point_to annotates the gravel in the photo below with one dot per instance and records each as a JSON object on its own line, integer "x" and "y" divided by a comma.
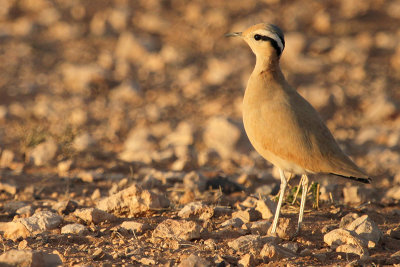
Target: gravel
{"x": 124, "y": 117}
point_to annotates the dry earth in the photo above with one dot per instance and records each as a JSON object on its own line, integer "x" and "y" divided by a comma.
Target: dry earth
{"x": 114, "y": 115}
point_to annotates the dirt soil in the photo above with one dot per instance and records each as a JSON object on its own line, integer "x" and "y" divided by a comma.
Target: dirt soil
{"x": 96, "y": 96}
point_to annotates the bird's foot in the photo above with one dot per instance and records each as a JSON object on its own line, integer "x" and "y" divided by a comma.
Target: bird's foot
{"x": 298, "y": 232}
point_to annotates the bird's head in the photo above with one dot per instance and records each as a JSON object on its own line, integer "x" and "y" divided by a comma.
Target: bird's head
{"x": 264, "y": 39}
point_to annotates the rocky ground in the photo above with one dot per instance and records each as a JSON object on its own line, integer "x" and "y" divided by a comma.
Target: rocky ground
{"x": 121, "y": 138}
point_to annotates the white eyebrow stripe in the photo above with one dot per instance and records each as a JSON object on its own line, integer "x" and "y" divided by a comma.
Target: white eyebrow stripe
{"x": 271, "y": 35}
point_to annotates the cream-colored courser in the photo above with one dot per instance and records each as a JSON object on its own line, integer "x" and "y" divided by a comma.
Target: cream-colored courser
{"x": 282, "y": 126}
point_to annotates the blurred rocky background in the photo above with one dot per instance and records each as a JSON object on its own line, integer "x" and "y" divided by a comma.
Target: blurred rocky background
{"x": 99, "y": 97}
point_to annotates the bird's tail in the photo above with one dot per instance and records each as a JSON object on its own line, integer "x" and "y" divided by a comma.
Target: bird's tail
{"x": 346, "y": 168}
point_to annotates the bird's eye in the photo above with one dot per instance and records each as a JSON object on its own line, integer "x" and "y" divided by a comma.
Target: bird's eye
{"x": 257, "y": 37}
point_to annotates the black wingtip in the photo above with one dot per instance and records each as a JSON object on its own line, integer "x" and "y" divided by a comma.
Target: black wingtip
{"x": 367, "y": 180}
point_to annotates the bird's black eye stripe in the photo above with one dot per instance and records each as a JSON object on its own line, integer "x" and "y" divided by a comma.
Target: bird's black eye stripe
{"x": 257, "y": 37}
{"x": 274, "y": 43}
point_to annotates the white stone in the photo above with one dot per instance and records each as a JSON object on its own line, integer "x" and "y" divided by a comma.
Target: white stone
{"x": 181, "y": 136}
{"x": 246, "y": 243}
{"x": 41, "y": 221}
{"x": 275, "y": 252}
{"x": 347, "y": 219}
{"x": 43, "y": 153}
{"x": 260, "y": 227}
{"x": 135, "y": 227}
{"x": 74, "y": 228}
{"x": 78, "y": 77}
{"x": 138, "y": 146}
{"x": 354, "y": 249}
{"x": 129, "y": 48}
{"x": 14, "y": 230}
{"x": 194, "y": 181}
{"x": 7, "y": 157}
{"x": 234, "y": 222}
{"x": 367, "y": 229}
{"x": 82, "y": 142}
{"x": 3, "y": 112}
{"x": 65, "y": 206}
{"x": 8, "y": 187}
{"x": 25, "y": 210}
{"x": 180, "y": 229}
{"x": 93, "y": 215}
{"x": 339, "y": 237}
{"x": 222, "y": 135}
{"x": 13, "y": 206}
{"x": 194, "y": 261}
{"x": 246, "y": 261}
{"x": 355, "y": 194}
{"x": 285, "y": 229}
{"x": 217, "y": 71}
{"x": 247, "y": 215}
{"x": 196, "y": 210}
{"x": 393, "y": 192}
{"x": 266, "y": 207}
{"x": 292, "y": 246}
{"x": 381, "y": 108}
{"x": 29, "y": 258}
{"x": 90, "y": 176}
{"x": 126, "y": 92}
{"x": 64, "y": 166}
{"x": 132, "y": 201}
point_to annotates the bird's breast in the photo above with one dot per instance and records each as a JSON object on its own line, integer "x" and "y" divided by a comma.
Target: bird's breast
{"x": 263, "y": 125}
{"x": 268, "y": 123}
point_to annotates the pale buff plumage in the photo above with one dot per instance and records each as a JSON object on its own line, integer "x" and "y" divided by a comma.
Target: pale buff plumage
{"x": 281, "y": 125}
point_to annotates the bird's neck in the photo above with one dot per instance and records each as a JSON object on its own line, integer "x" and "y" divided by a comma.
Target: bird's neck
{"x": 269, "y": 66}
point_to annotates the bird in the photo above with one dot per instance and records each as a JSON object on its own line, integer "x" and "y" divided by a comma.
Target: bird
{"x": 282, "y": 126}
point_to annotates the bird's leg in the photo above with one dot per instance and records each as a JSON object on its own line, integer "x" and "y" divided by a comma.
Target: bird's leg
{"x": 281, "y": 195}
{"x": 303, "y": 201}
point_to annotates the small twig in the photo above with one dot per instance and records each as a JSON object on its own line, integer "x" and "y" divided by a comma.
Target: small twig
{"x": 364, "y": 204}
{"x": 176, "y": 190}
{"x": 297, "y": 191}
{"x": 317, "y": 197}
{"x": 134, "y": 234}
{"x": 130, "y": 178}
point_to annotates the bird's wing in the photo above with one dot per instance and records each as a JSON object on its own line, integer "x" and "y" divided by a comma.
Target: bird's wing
{"x": 323, "y": 145}
{"x": 296, "y": 133}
